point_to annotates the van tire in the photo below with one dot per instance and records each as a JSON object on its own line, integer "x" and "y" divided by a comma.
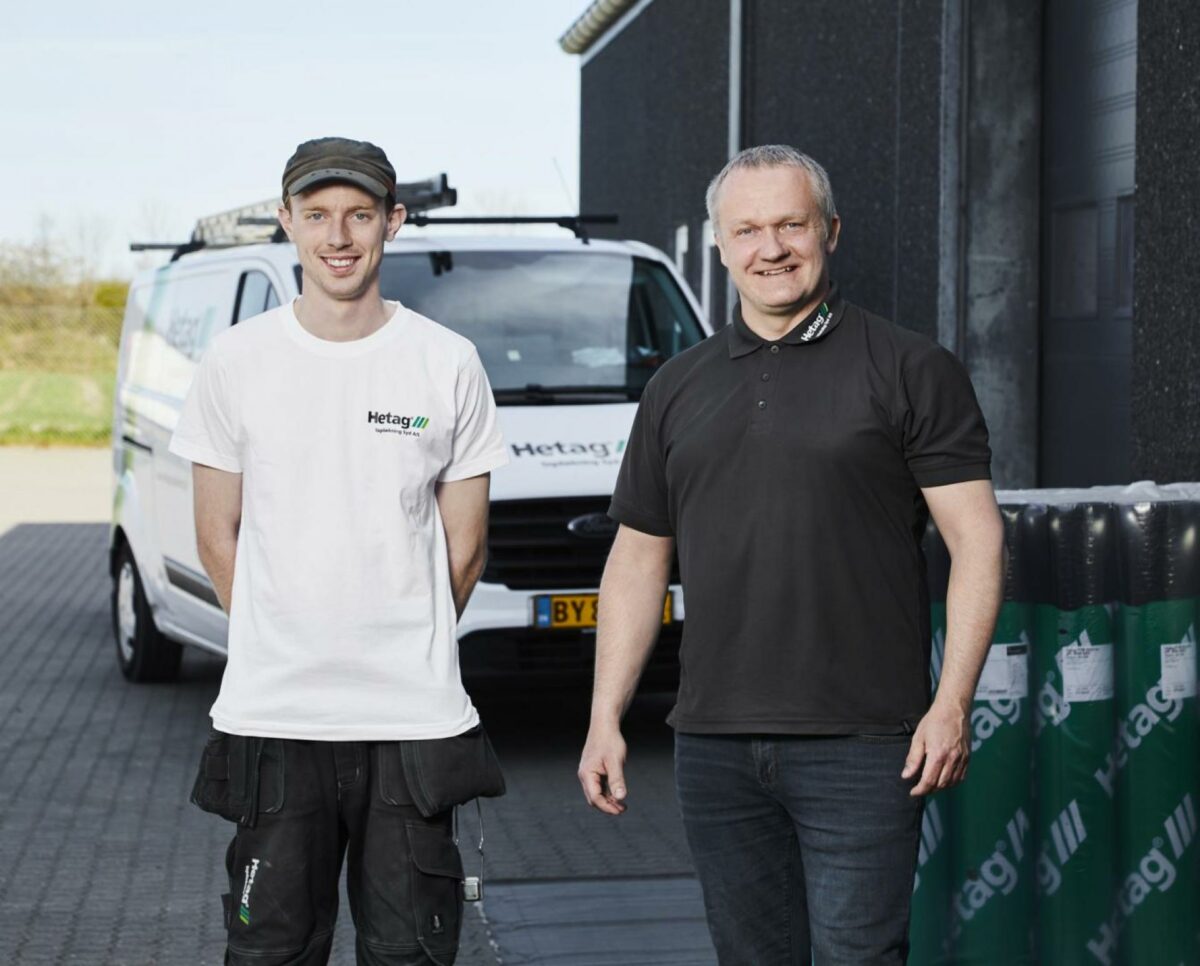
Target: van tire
{"x": 143, "y": 652}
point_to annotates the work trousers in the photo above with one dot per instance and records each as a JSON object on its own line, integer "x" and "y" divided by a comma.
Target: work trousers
{"x": 317, "y": 803}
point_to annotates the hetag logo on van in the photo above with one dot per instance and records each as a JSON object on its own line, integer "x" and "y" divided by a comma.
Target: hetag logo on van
{"x": 562, "y": 453}
{"x": 188, "y": 331}
{"x": 1142, "y": 719}
{"x": 1067, "y": 834}
{"x": 593, "y": 526}
{"x": 401, "y": 425}
{"x": 1154, "y": 871}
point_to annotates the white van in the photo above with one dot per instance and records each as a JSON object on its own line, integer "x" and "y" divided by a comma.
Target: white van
{"x": 569, "y": 332}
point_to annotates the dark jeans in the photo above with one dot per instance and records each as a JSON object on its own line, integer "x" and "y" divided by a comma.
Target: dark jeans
{"x": 318, "y": 802}
{"x": 805, "y": 846}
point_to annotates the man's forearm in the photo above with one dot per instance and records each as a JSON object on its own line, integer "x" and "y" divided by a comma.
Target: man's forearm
{"x": 631, "y": 605}
{"x": 217, "y": 556}
{"x": 973, "y": 597}
{"x": 464, "y": 575}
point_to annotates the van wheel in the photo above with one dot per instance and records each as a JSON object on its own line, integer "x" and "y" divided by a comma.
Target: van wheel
{"x": 142, "y": 651}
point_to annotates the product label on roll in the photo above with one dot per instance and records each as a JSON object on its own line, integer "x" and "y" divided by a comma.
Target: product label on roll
{"x": 1005, "y": 673}
{"x": 1179, "y": 670}
{"x": 1087, "y": 671}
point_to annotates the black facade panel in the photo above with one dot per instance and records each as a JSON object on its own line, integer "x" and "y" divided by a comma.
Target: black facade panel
{"x": 1001, "y": 161}
{"x": 1088, "y": 172}
{"x": 858, "y": 86}
{"x": 654, "y": 124}
{"x": 918, "y": 178}
{"x": 1166, "y": 338}
{"x": 815, "y": 82}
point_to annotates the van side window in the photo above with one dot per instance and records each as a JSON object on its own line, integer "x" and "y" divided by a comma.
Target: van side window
{"x": 256, "y": 294}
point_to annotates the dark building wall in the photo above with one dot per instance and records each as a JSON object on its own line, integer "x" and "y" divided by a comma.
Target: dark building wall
{"x": 926, "y": 114}
{"x": 654, "y": 123}
{"x": 1001, "y": 221}
{"x": 1166, "y": 336}
{"x": 858, "y": 87}
{"x": 1090, "y": 84}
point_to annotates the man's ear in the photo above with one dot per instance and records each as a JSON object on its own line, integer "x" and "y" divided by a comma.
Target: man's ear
{"x": 395, "y": 219}
{"x": 835, "y": 231}
{"x": 716, "y": 238}
{"x": 284, "y": 214}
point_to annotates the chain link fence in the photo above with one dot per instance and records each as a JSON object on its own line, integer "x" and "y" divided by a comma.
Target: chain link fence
{"x": 58, "y": 366}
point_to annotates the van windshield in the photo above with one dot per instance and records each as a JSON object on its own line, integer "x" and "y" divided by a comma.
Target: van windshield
{"x": 551, "y": 326}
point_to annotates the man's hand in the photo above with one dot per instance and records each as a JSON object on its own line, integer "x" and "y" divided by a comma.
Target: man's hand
{"x": 943, "y": 742}
{"x": 631, "y": 605}
{"x": 602, "y": 770}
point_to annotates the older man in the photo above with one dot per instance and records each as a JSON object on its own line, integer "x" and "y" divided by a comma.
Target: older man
{"x": 792, "y": 460}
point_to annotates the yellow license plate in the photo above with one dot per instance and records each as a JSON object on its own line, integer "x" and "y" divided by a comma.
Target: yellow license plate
{"x": 553, "y": 611}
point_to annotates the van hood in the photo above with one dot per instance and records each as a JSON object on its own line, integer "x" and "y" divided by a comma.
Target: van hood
{"x": 561, "y": 450}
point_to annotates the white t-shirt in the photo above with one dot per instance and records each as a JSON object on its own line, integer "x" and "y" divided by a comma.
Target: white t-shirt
{"x": 342, "y": 623}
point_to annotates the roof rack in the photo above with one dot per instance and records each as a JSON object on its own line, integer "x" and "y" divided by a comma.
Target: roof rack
{"x": 248, "y": 224}
{"x": 573, "y": 223}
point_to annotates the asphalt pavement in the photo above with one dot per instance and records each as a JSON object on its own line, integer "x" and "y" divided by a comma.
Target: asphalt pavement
{"x": 103, "y": 861}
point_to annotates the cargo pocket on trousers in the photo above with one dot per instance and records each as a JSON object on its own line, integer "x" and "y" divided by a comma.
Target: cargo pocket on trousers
{"x": 239, "y": 777}
{"x": 437, "y": 874}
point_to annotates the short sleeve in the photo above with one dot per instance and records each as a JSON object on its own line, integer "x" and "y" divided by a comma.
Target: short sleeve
{"x": 944, "y": 435}
{"x": 640, "y": 498}
{"x": 478, "y": 446}
{"x": 207, "y": 431}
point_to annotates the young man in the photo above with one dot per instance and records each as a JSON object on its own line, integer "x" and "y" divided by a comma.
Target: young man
{"x": 342, "y": 447}
{"x": 794, "y": 458}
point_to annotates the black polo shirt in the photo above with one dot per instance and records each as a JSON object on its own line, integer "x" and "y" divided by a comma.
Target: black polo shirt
{"x": 789, "y": 473}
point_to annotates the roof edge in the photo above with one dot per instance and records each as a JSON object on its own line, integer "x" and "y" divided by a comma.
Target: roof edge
{"x": 592, "y": 24}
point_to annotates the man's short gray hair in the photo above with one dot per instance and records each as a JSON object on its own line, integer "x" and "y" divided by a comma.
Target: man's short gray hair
{"x": 777, "y": 156}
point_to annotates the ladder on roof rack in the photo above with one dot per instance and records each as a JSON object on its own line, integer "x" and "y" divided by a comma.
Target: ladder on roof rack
{"x": 245, "y": 225}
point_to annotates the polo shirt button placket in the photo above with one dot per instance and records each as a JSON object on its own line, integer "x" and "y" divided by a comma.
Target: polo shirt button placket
{"x": 770, "y": 365}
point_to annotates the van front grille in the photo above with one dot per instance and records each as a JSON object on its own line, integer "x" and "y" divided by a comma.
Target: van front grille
{"x": 531, "y": 548}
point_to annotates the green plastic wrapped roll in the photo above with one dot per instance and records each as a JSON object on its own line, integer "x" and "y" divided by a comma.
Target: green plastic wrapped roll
{"x": 991, "y": 851}
{"x": 991, "y": 845}
{"x": 1153, "y": 770}
{"x": 1073, "y": 726}
{"x": 929, "y": 933}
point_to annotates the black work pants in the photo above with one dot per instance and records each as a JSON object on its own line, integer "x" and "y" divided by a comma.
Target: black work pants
{"x": 318, "y": 802}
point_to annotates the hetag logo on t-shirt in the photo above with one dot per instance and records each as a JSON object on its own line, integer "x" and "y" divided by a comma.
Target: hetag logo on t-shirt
{"x": 400, "y": 425}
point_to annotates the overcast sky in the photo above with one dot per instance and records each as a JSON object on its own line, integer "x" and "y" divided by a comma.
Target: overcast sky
{"x": 127, "y": 121}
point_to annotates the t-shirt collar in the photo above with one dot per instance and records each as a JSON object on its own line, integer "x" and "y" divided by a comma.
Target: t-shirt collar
{"x": 812, "y": 328}
{"x": 397, "y": 316}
